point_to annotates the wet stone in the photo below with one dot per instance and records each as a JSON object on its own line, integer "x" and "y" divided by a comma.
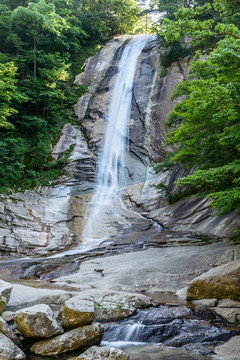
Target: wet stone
{"x": 160, "y": 325}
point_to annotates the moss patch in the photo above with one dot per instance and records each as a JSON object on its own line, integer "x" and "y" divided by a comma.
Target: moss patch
{"x": 219, "y": 287}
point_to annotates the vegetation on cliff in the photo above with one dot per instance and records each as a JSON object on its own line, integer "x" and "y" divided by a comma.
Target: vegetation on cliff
{"x": 206, "y": 121}
{"x": 43, "y": 44}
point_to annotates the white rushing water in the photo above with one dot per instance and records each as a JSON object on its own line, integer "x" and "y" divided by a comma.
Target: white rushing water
{"x": 111, "y": 170}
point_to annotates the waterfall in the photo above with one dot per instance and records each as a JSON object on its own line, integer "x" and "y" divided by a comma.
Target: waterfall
{"x": 112, "y": 172}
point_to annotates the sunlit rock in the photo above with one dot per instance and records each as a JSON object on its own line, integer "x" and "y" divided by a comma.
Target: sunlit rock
{"x": 96, "y": 66}
{"x": 78, "y": 338}
{"x": 103, "y": 353}
{"x": 5, "y": 292}
{"x": 77, "y": 312}
{"x": 37, "y": 321}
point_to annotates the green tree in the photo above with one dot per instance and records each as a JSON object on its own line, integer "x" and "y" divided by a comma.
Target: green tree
{"x": 206, "y": 122}
{"x": 38, "y": 17}
{"x": 8, "y": 93}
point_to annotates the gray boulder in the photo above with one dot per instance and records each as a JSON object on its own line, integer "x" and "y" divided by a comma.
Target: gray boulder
{"x": 232, "y": 315}
{"x": 113, "y": 305}
{"x": 206, "y": 302}
{"x": 8, "y": 350}
{"x": 103, "y": 353}
{"x": 228, "y": 351}
{"x": 6, "y": 330}
{"x": 77, "y": 312}
{"x": 37, "y": 321}
{"x": 220, "y": 283}
{"x": 5, "y": 292}
{"x": 228, "y": 303}
{"x": 78, "y": 338}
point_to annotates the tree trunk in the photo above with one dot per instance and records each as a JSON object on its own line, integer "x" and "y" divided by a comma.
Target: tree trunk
{"x": 34, "y": 57}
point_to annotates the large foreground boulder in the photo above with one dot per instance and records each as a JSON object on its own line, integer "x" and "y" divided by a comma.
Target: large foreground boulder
{"x": 220, "y": 283}
{"x": 8, "y": 350}
{"x": 37, "y": 321}
{"x": 81, "y": 337}
{"x": 5, "y": 292}
{"x": 103, "y": 353}
{"x": 77, "y": 312}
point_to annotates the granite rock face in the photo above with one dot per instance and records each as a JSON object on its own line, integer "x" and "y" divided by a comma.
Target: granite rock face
{"x": 191, "y": 214}
{"x": 35, "y": 221}
{"x": 164, "y": 269}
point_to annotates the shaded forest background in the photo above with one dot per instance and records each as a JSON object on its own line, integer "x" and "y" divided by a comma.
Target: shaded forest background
{"x": 43, "y": 45}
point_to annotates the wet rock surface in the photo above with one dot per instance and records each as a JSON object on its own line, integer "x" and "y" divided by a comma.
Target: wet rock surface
{"x": 178, "y": 327}
{"x": 165, "y": 268}
{"x": 190, "y": 214}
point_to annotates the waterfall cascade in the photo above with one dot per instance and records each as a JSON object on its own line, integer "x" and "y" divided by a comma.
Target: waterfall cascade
{"x": 112, "y": 172}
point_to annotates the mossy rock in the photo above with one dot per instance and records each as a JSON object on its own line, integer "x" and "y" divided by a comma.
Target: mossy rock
{"x": 221, "y": 282}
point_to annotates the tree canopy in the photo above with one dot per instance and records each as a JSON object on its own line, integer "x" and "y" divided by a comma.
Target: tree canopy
{"x": 205, "y": 122}
{"x": 43, "y": 44}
